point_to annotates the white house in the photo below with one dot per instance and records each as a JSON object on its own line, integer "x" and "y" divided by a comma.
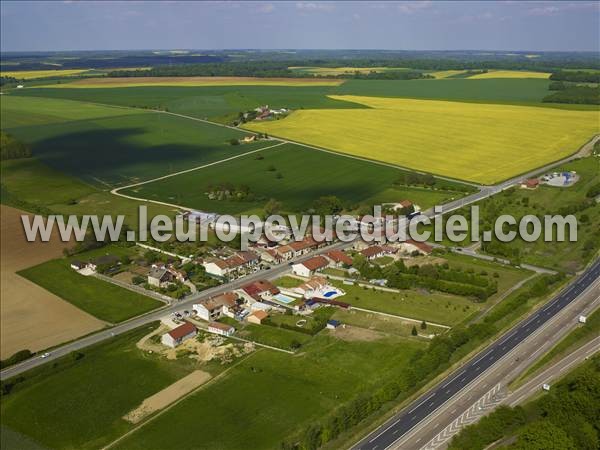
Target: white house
{"x": 220, "y": 328}
{"x": 213, "y": 308}
{"x": 310, "y": 266}
{"x": 177, "y": 335}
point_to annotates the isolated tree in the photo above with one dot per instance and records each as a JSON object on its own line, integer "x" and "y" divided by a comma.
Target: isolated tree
{"x": 414, "y": 331}
{"x": 423, "y": 325}
{"x": 272, "y": 207}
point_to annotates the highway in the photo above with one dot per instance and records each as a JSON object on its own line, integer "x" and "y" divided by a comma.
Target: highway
{"x": 397, "y": 427}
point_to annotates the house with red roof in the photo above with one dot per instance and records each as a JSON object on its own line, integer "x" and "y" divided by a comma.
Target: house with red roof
{"x": 177, "y": 335}
{"x": 338, "y": 258}
{"x": 309, "y": 267}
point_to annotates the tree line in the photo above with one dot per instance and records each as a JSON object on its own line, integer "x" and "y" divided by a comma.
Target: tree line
{"x": 12, "y": 148}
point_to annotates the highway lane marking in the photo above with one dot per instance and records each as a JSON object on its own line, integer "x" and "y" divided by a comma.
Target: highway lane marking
{"x": 516, "y": 333}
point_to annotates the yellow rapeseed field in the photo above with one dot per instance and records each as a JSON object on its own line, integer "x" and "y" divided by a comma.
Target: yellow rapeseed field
{"x": 194, "y": 81}
{"x": 509, "y": 74}
{"x": 31, "y": 74}
{"x": 483, "y": 143}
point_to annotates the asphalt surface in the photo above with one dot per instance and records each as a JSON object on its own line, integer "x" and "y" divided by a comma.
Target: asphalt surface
{"x": 553, "y": 372}
{"x": 394, "y": 429}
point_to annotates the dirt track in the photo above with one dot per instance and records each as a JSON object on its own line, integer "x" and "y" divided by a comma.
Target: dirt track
{"x": 31, "y": 317}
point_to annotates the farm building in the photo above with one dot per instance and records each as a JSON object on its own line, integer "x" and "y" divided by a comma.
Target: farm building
{"x": 215, "y": 307}
{"x": 411, "y": 246}
{"x": 257, "y": 317}
{"x": 177, "y": 335}
{"x": 310, "y": 266}
{"x": 221, "y": 329}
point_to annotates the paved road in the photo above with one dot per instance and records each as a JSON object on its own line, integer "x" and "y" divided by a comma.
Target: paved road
{"x": 445, "y": 422}
{"x": 555, "y": 371}
{"x": 387, "y": 435}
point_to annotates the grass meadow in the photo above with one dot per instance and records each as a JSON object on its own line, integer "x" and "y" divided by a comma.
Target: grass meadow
{"x": 282, "y": 394}
{"x": 294, "y": 175}
{"x": 481, "y": 143}
{"x": 97, "y": 297}
{"x": 437, "y": 307}
{"x": 79, "y": 403}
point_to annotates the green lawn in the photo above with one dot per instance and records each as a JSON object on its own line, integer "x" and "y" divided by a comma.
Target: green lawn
{"x": 273, "y": 396}
{"x": 79, "y": 404}
{"x": 436, "y": 307}
{"x": 99, "y": 298}
{"x": 304, "y": 176}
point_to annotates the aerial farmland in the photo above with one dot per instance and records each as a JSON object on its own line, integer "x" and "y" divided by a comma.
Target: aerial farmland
{"x": 138, "y": 312}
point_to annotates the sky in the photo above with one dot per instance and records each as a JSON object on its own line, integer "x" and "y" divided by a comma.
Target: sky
{"x": 405, "y": 25}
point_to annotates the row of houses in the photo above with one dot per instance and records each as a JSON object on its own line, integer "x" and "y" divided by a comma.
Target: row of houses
{"x": 239, "y": 264}
{"x": 238, "y": 304}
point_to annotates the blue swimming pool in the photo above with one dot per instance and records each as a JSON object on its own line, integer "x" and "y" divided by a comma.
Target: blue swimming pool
{"x": 330, "y": 294}
{"x": 283, "y": 298}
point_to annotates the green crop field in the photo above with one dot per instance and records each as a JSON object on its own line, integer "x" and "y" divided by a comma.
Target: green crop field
{"x": 28, "y": 184}
{"x": 306, "y": 175}
{"x": 117, "y": 146}
{"x": 283, "y": 394}
{"x": 84, "y": 400}
{"x": 222, "y": 103}
{"x": 483, "y": 143}
{"x": 99, "y": 298}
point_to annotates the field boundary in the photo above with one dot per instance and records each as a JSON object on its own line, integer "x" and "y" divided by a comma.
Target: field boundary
{"x": 115, "y": 191}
